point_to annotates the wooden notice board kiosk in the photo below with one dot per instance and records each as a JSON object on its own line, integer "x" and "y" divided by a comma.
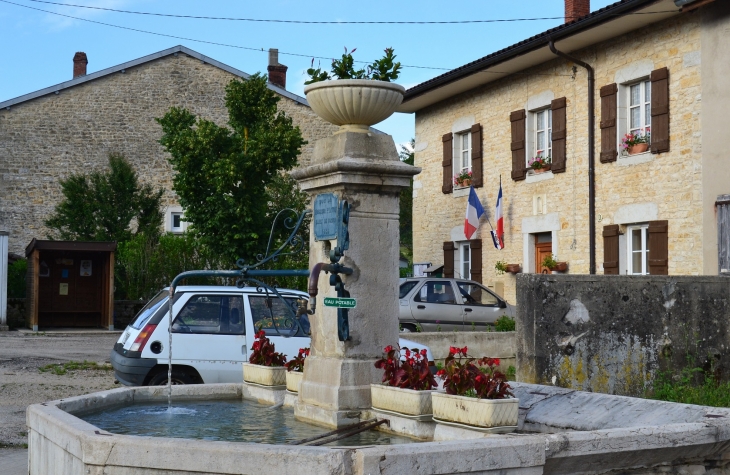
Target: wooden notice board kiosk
{"x": 70, "y": 284}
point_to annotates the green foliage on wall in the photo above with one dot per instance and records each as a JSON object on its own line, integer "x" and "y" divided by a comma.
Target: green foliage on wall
{"x": 225, "y": 176}
{"x": 16, "y": 279}
{"x": 106, "y": 206}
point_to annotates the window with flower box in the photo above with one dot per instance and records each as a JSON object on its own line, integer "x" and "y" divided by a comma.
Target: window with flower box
{"x": 542, "y": 133}
{"x": 462, "y": 152}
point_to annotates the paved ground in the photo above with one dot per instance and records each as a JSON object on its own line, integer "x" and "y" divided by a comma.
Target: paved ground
{"x": 22, "y": 383}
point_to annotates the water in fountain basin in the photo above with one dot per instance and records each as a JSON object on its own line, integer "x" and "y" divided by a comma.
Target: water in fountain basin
{"x": 232, "y": 421}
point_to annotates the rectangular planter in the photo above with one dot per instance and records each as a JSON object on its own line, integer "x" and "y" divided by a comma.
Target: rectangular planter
{"x": 475, "y": 412}
{"x": 403, "y": 401}
{"x": 293, "y": 380}
{"x": 264, "y": 375}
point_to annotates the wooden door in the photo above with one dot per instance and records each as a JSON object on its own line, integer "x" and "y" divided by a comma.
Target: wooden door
{"x": 542, "y": 250}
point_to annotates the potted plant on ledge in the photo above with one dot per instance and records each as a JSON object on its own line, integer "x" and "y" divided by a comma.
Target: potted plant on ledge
{"x": 539, "y": 164}
{"x": 407, "y": 383}
{"x": 295, "y": 370}
{"x": 500, "y": 267}
{"x": 358, "y": 98}
{"x": 477, "y": 394}
{"x": 636, "y": 142}
{"x": 551, "y": 263}
{"x": 463, "y": 179}
{"x": 265, "y": 366}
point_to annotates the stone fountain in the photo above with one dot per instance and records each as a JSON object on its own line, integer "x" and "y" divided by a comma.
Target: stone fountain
{"x": 559, "y": 431}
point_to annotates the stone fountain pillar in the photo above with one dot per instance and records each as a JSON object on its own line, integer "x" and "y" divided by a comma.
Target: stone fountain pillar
{"x": 363, "y": 168}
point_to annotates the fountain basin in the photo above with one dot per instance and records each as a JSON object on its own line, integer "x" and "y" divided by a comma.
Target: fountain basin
{"x": 569, "y": 432}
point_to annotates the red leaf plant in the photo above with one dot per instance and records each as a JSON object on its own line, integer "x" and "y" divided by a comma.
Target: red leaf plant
{"x": 407, "y": 370}
{"x": 264, "y": 353}
{"x": 296, "y": 364}
{"x": 467, "y": 376}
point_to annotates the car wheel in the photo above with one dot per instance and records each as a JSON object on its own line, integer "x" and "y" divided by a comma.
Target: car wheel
{"x": 178, "y": 377}
{"x": 407, "y": 328}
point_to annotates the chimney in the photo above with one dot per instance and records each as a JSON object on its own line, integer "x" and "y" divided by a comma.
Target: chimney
{"x": 80, "y": 63}
{"x": 277, "y": 72}
{"x": 575, "y": 9}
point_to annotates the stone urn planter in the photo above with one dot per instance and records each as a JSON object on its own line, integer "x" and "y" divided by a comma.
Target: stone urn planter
{"x": 293, "y": 380}
{"x": 264, "y": 375}
{"x": 354, "y": 104}
{"x": 500, "y": 415}
{"x": 638, "y": 148}
{"x": 408, "y": 402}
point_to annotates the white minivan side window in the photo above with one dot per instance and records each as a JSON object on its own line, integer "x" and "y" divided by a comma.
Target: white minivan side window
{"x": 274, "y": 316}
{"x": 219, "y": 314}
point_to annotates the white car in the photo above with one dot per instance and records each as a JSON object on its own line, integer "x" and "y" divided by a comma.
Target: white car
{"x": 212, "y": 334}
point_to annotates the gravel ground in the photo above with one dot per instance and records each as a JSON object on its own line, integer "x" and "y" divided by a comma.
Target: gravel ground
{"x": 22, "y": 383}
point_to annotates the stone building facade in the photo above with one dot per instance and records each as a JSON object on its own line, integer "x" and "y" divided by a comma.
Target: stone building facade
{"x": 72, "y": 127}
{"x": 653, "y": 210}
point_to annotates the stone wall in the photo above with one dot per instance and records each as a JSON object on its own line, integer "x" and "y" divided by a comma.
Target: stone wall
{"x": 500, "y": 345}
{"x": 664, "y": 186}
{"x": 611, "y": 334}
{"x": 73, "y": 132}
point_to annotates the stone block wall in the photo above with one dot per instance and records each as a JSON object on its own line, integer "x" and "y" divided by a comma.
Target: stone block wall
{"x": 668, "y": 184}
{"x": 57, "y": 135}
{"x": 611, "y": 334}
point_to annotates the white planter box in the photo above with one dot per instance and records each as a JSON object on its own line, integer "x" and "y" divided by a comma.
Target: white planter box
{"x": 264, "y": 375}
{"x": 475, "y": 412}
{"x": 293, "y": 380}
{"x": 354, "y": 104}
{"x": 403, "y": 401}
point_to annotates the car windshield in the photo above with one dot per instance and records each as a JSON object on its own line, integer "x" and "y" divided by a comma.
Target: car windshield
{"x": 405, "y": 288}
{"x": 149, "y": 309}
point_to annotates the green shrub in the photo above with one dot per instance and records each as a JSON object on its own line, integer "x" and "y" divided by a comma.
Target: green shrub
{"x": 16, "y": 279}
{"x": 505, "y": 324}
{"x": 682, "y": 387}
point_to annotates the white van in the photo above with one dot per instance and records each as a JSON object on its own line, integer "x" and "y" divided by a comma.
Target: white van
{"x": 212, "y": 333}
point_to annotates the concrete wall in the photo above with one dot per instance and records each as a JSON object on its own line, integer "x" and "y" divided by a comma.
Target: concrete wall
{"x": 54, "y": 136}
{"x": 716, "y": 85}
{"x": 500, "y": 345}
{"x": 632, "y": 190}
{"x": 611, "y": 334}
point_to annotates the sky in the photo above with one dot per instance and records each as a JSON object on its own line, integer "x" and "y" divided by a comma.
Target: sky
{"x": 38, "y": 46}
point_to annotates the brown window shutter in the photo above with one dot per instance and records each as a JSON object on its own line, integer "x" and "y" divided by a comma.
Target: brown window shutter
{"x": 610, "y": 249}
{"x": 609, "y": 108}
{"x": 660, "y": 110}
{"x": 519, "y": 163}
{"x": 448, "y": 141}
{"x": 559, "y": 125}
{"x": 448, "y": 259}
{"x": 658, "y": 247}
{"x": 477, "y": 167}
{"x": 475, "y": 245}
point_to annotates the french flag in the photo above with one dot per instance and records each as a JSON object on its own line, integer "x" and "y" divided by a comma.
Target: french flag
{"x": 498, "y": 235}
{"x": 474, "y": 211}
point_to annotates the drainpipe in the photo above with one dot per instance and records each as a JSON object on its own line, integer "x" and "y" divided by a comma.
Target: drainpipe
{"x": 591, "y": 154}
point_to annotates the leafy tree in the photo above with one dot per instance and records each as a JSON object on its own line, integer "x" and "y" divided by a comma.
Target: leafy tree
{"x": 225, "y": 177}
{"x": 407, "y": 155}
{"x": 104, "y": 206}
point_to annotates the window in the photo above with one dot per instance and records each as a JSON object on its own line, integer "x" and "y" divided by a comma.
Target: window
{"x": 473, "y": 294}
{"x": 462, "y": 152}
{"x": 436, "y": 292}
{"x": 637, "y": 259}
{"x": 176, "y": 223}
{"x": 219, "y": 314}
{"x": 543, "y": 132}
{"x": 275, "y": 316}
{"x": 405, "y": 288}
{"x": 465, "y": 260}
{"x": 639, "y": 102}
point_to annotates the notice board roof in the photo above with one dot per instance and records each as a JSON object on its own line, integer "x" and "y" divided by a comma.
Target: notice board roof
{"x": 93, "y": 246}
